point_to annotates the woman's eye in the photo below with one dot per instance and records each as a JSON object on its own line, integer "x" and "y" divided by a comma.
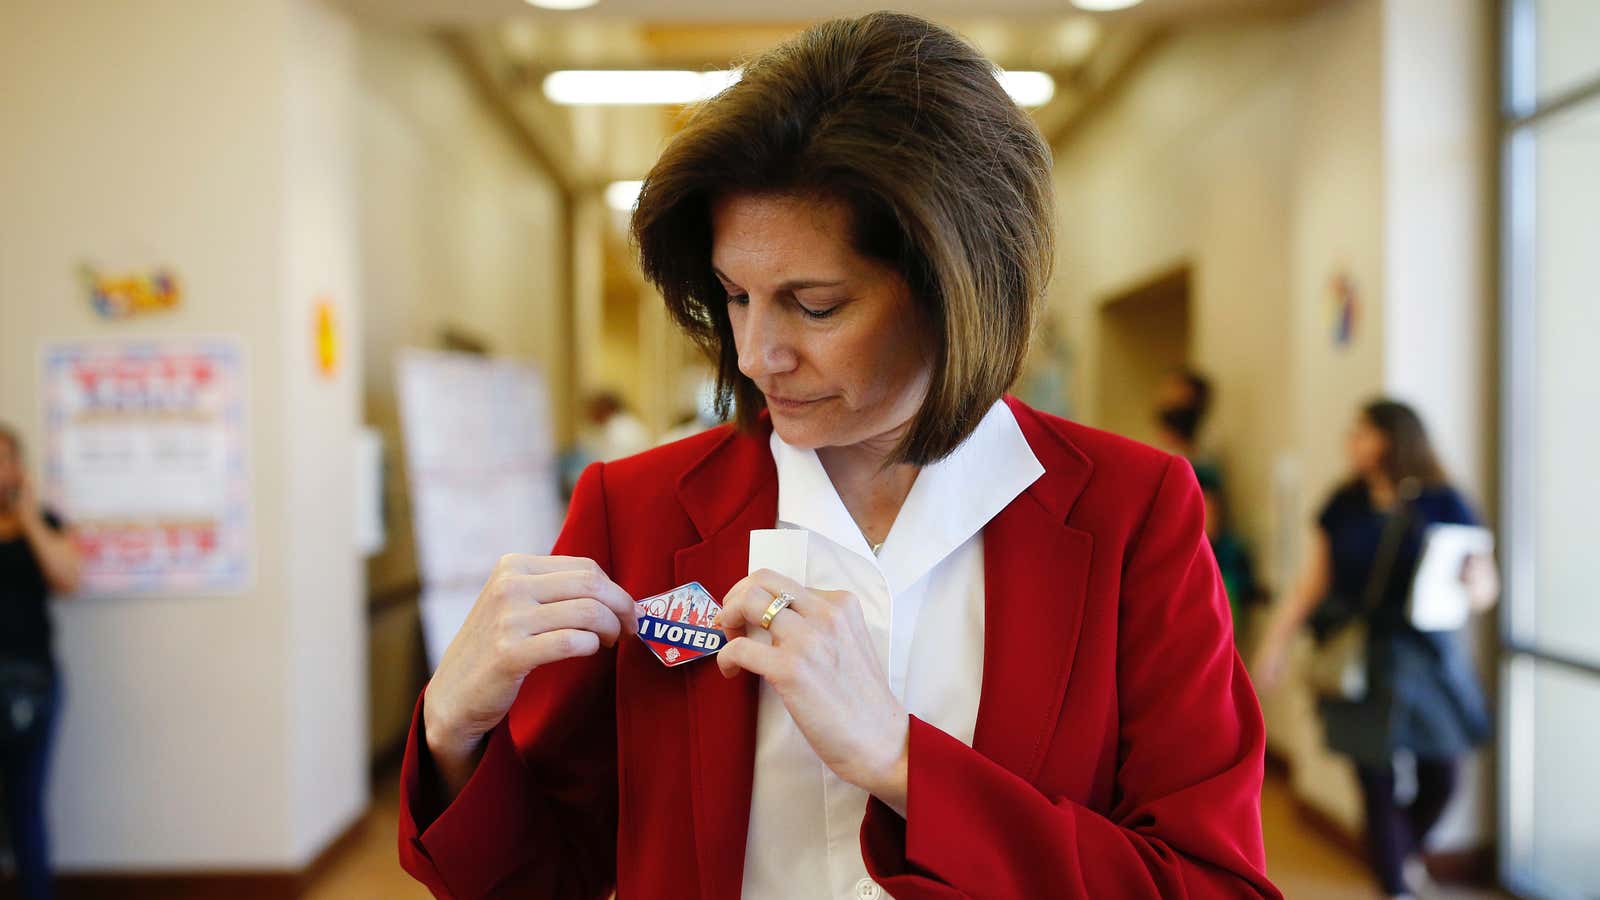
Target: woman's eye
{"x": 738, "y": 299}
{"x": 818, "y": 313}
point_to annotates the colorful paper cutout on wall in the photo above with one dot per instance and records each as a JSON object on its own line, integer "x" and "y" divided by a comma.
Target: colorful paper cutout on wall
{"x": 125, "y": 296}
{"x": 327, "y": 339}
{"x": 1343, "y": 309}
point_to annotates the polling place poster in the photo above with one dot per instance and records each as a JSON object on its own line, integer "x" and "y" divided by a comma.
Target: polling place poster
{"x": 145, "y": 456}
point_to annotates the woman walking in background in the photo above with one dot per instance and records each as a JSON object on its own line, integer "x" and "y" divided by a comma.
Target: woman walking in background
{"x": 1422, "y": 696}
{"x": 36, "y": 558}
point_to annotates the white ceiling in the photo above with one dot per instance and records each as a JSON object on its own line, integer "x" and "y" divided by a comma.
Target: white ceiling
{"x": 478, "y": 12}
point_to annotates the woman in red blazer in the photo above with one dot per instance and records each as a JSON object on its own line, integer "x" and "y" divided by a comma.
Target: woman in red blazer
{"x": 859, "y": 233}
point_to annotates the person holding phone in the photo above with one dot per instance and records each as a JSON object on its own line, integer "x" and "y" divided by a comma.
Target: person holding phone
{"x": 37, "y": 558}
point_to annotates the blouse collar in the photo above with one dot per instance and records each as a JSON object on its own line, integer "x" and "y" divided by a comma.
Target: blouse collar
{"x": 951, "y": 500}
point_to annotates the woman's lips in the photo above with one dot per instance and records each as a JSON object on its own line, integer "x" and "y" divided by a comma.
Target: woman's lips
{"x": 786, "y": 404}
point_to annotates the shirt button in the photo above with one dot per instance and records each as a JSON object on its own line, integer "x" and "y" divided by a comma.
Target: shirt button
{"x": 867, "y": 889}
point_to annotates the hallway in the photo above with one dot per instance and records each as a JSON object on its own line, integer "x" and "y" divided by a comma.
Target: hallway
{"x": 312, "y": 309}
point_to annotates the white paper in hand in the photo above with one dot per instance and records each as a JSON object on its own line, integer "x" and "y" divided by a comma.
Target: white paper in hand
{"x": 1439, "y": 600}
{"x": 783, "y": 550}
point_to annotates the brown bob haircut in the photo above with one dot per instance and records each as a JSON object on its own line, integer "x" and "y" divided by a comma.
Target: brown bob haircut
{"x": 904, "y": 124}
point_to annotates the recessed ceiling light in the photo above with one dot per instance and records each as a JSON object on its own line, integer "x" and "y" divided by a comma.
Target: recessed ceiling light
{"x": 622, "y": 195}
{"x": 1028, "y": 88}
{"x": 634, "y": 87}
{"x": 563, "y": 4}
{"x": 1104, "y": 5}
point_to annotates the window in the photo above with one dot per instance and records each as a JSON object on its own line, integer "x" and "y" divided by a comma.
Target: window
{"x": 1550, "y": 416}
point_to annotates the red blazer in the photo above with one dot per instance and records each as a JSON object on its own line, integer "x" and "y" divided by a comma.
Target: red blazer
{"x": 1118, "y": 748}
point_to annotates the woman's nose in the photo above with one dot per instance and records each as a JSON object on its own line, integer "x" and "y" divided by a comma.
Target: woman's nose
{"x": 764, "y": 345}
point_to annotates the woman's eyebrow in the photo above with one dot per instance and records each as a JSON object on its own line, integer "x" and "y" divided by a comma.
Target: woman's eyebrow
{"x": 793, "y": 284}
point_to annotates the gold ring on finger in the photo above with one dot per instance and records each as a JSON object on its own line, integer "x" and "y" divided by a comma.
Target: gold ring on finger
{"x": 778, "y": 605}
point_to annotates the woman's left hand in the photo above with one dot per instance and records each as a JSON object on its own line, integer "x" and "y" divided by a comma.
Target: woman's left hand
{"x": 824, "y": 668}
{"x": 1271, "y": 663}
{"x": 1482, "y": 579}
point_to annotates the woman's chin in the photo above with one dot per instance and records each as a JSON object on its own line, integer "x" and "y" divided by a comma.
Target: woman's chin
{"x": 798, "y": 433}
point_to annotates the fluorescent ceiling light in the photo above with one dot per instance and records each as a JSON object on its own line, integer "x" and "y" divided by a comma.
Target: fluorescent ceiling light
{"x": 622, "y": 195}
{"x": 634, "y": 87}
{"x": 563, "y": 4}
{"x": 1028, "y": 88}
{"x": 1105, "y": 5}
{"x": 1074, "y": 39}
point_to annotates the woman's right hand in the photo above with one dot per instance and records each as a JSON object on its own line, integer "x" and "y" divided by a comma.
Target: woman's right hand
{"x": 1271, "y": 661}
{"x": 534, "y": 610}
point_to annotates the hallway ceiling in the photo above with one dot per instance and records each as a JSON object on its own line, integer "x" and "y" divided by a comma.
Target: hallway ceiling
{"x": 510, "y": 46}
{"x": 478, "y": 12}
{"x": 593, "y": 145}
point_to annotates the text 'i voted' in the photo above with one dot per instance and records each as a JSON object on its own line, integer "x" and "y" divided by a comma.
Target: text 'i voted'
{"x": 676, "y": 625}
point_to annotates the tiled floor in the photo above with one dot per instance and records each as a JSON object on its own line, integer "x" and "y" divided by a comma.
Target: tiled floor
{"x": 1302, "y": 863}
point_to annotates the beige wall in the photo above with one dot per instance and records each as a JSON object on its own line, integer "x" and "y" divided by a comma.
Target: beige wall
{"x": 1139, "y": 339}
{"x": 1195, "y": 164}
{"x": 1272, "y": 158}
{"x": 1439, "y": 147}
{"x": 458, "y": 227}
{"x": 324, "y": 577}
{"x": 218, "y": 731}
{"x": 1337, "y": 228}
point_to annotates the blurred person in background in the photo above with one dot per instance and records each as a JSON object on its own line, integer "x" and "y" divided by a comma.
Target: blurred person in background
{"x": 1234, "y": 560}
{"x": 1182, "y": 404}
{"x": 610, "y": 432}
{"x": 1011, "y": 676}
{"x": 37, "y": 558}
{"x": 1422, "y": 694}
{"x": 703, "y": 416}
{"x": 614, "y": 431}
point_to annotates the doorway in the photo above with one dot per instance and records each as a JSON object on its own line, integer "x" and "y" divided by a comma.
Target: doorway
{"x": 1142, "y": 336}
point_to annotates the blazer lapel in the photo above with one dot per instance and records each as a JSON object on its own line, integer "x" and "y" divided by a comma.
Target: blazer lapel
{"x": 1036, "y": 575}
{"x": 733, "y": 491}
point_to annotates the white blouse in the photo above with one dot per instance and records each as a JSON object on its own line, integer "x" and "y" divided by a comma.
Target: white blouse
{"x": 923, "y": 599}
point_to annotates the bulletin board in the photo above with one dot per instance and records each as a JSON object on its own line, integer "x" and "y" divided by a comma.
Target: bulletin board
{"x": 480, "y": 462}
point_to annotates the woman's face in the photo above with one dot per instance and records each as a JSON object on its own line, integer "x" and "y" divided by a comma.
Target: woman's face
{"x": 832, "y": 338}
{"x": 1366, "y": 447}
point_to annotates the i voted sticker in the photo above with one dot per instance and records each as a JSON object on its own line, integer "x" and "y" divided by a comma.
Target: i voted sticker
{"x": 676, "y": 625}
